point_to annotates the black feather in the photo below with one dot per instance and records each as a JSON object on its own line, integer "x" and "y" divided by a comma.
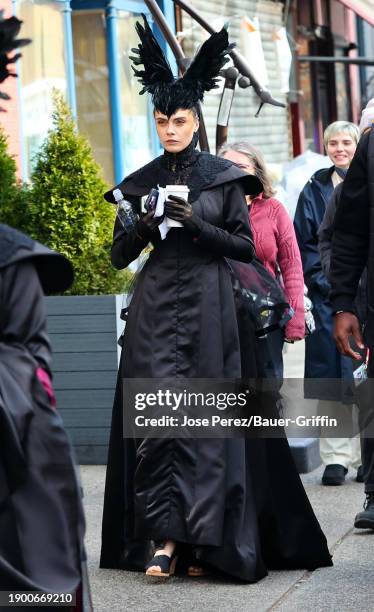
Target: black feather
{"x": 204, "y": 69}
{"x": 169, "y": 94}
{"x": 157, "y": 71}
{"x": 9, "y": 29}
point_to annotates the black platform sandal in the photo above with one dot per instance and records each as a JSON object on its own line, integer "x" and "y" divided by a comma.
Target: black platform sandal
{"x": 164, "y": 562}
{"x": 196, "y": 570}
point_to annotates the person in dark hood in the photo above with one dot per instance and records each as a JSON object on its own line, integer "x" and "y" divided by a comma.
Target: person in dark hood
{"x": 322, "y": 359}
{"x": 232, "y": 505}
{"x": 41, "y": 517}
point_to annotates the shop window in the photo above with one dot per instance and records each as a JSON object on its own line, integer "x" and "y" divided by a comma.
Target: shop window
{"x": 42, "y": 69}
{"x": 92, "y": 90}
{"x": 342, "y": 89}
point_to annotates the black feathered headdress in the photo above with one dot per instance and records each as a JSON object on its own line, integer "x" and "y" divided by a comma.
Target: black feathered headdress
{"x": 9, "y": 30}
{"x": 169, "y": 94}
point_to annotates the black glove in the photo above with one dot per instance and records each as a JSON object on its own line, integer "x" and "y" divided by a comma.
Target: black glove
{"x": 147, "y": 224}
{"x": 178, "y": 209}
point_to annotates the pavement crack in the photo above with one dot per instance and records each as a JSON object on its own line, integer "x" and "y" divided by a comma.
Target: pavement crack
{"x": 307, "y": 575}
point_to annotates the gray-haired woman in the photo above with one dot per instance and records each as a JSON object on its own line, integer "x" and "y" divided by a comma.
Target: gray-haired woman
{"x": 276, "y": 247}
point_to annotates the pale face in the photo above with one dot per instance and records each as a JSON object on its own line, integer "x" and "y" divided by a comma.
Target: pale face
{"x": 176, "y": 132}
{"x": 241, "y": 160}
{"x": 341, "y": 149}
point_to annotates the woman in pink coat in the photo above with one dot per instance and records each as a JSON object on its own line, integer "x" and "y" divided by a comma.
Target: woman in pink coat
{"x": 276, "y": 248}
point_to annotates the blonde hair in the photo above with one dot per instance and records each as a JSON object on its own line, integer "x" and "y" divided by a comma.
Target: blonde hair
{"x": 255, "y": 157}
{"x": 341, "y": 126}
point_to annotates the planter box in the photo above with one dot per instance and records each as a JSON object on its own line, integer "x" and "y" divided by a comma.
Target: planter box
{"x": 84, "y": 332}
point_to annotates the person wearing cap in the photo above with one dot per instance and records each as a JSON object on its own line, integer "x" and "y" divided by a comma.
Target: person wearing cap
{"x": 352, "y": 251}
{"x": 220, "y": 503}
{"x": 325, "y": 369}
{"x": 41, "y": 516}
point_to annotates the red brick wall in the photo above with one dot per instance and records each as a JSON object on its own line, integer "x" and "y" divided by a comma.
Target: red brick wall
{"x": 10, "y": 120}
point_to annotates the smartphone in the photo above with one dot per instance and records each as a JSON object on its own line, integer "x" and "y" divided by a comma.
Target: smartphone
{"x": 151, "y": 201}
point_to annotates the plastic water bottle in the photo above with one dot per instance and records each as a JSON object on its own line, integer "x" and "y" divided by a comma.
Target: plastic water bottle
{"x": 125, "y": 213}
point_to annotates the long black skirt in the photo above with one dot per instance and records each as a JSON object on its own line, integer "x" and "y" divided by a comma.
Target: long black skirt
{"x": 237, "y": 504}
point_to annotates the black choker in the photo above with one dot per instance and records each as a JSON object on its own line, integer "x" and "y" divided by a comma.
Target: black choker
{"x": 180, "y": 164}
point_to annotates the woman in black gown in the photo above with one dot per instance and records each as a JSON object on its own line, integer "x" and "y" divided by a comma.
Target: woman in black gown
{"x": 234, "y": 505}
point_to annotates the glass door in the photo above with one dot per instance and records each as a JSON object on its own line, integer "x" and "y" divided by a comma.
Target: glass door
{"x": 137, "y": 117}
{"x": 92, "y": 89}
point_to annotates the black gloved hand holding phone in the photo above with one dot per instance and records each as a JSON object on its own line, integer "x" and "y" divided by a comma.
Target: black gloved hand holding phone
{"x": 148, "y": 223}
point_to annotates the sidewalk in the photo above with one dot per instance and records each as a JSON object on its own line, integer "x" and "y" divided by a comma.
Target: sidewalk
{"x": 346, "y": 587}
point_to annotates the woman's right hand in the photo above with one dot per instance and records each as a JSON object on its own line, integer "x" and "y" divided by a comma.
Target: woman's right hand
{"x": 148, "y": 223}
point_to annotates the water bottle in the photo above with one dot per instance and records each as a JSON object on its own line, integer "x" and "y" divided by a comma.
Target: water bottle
{"x": 125, "y": 213}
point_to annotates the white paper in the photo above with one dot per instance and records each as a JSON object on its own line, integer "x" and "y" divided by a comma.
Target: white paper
{"x": 284, "y": 58}
{"x": 167, "y": 223}
{"x": 252, "y": 49}
{"x": 163, "y": 227}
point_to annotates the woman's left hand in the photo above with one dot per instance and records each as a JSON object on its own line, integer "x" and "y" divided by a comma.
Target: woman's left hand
{"x": 178, "y": 209}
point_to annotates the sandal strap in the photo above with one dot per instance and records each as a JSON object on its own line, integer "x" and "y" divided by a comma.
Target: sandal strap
{"x": 162, "y": 561}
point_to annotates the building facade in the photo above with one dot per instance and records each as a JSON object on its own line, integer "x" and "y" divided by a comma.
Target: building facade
{"x": 82, "y": 47}
{"x": 326, "y": 91}
{"x": 270, "y": 131}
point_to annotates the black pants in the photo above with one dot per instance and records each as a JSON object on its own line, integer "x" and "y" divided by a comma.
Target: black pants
{"x": 367, "y": 434}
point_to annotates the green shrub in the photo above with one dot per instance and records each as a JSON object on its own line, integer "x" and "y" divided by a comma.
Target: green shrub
{"x": 66, "y": 209}
{"x": 13, "y": 196}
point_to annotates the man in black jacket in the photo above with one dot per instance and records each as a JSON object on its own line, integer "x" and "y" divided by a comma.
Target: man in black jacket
{"x": 352, "y": 250}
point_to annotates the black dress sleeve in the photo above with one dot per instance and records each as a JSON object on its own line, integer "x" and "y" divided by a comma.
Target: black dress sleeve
{"x": 350, "y": 242}
{"x": 126, "y": 246}
{"x": 234, "y": 240}
{"x": 23, "y": 311}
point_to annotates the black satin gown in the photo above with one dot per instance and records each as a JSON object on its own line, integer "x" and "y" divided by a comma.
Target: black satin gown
{"x": 236, "y": 504}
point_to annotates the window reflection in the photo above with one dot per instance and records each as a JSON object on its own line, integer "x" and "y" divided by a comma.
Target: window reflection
{"x": 42, "y": 68}
{"x": 136, "y": 117}
{"x": 92, "y": 90}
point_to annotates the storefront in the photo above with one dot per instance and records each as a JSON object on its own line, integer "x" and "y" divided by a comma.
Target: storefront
{"x": 82, "y": 49}
{"x": 328, "y": 90}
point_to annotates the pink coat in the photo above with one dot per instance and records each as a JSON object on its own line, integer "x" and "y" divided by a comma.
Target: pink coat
{"x": 276, "y": 245}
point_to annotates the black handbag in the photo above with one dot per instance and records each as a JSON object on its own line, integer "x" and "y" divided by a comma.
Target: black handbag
{"x": 260, "y": 295}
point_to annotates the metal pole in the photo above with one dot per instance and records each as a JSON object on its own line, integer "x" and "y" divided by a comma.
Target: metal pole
{"x": 69, "y": 58}
{"x": 114, "y": 91}
{"x": 361, "y": 61}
